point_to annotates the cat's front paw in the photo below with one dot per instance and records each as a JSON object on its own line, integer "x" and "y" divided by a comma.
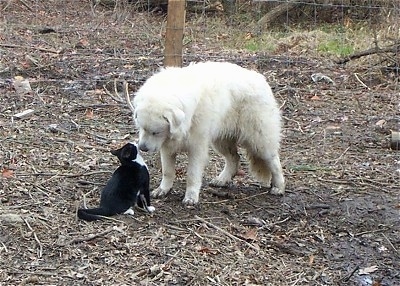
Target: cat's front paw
{"x": 129, "y": 211}
{"x": 151, "y": 209}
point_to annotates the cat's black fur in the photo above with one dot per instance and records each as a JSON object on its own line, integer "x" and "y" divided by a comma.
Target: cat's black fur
{"x": 129, "y": 185}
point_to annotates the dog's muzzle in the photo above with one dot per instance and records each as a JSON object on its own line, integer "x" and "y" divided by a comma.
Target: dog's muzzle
{"x": 143, "y": 147}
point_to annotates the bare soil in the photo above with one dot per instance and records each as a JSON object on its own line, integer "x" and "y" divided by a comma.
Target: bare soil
{"x": 337, "y": 224}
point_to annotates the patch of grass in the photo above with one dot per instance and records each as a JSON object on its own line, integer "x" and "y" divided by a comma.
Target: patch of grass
{"x": 258, "y": 44}
{"x": 337, "y": 47}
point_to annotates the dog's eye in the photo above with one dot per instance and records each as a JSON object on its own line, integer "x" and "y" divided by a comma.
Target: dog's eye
{"x": 155, "y": 133}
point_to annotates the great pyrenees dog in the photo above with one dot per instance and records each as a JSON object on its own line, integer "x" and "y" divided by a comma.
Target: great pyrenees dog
{"x": 211, "y": 104}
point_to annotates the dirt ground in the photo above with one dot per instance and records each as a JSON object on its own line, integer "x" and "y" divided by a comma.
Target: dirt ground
{"x": 337, "y": 224}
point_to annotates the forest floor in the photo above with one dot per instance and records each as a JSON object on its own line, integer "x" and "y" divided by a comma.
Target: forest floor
{"x": 337, "y": 224}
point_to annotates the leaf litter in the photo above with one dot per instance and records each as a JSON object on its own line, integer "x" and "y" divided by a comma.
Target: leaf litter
{"x": 340, "y": 213}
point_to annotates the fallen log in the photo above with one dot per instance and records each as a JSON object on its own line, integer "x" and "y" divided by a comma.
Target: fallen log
{"x": 376, "y": 50}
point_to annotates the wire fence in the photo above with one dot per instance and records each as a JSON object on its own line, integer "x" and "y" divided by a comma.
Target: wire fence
{"x": 39, "y": 37}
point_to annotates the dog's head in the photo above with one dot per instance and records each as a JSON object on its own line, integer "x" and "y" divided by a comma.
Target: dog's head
{"x": 158, "y": 122}
{"x": 127, "y": 153}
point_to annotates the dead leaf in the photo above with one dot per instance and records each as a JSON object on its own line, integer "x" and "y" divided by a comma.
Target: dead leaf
{"x": 83, "y": 43}
{"x": 7, "y": 173}
{"x": 248, "y": 36}
{"x": 376, "y": 283}
{"x": 381, "y": 123}
{"x": 368, "y": 270}
{"x": 311, "y": 260}
{"x": 315, "y": 97}
{"x": 250, "y": 234}
{"x": 21, "y": 85}
{"x": 207, "y": 250}
{"x": 89, "y": 113}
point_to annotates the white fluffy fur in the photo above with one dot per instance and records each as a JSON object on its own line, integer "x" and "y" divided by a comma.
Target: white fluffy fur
{"x": 210, "y": 104}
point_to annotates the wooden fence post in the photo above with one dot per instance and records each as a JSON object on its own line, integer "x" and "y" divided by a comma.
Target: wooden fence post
{"x": 174, "y": 33}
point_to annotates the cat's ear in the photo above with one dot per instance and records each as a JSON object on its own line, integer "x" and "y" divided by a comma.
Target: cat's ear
{"x": 129, "y": 152}
{"x": 116, "y": 152}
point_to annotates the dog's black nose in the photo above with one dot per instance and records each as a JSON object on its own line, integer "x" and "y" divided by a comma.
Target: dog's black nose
{"x": 143, "y": 148}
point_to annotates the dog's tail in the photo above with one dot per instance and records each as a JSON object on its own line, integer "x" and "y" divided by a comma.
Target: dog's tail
{"x": 93, "y": 214}
{"x": 259, "y": 169}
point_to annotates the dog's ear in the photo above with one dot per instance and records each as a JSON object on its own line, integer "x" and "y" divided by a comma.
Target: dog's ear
{"x": 175, "y": 118}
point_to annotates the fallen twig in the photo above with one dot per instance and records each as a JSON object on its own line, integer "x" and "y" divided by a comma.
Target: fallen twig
{"x": 237, "y": 200}
{"x": 89, "y": 237}
{"x": 29, "y": 47}
{"x": 341, "y": 155}
{"x": 376, "y": 50}
{"x": 227, "y": 233}
{"x": 298, "y": 123}
{"x": 36, "y": 238}
{"x": 87, "y": 146}
{"x": 391, "y": 245}
{"x": 348, "y": 276}
{"x": 26, "y": 5}
{"x": 127, "y": 97}
{"x": 360, "y": 81}
{"x": 116, "y": 95}
{"x": 4, "y": 246}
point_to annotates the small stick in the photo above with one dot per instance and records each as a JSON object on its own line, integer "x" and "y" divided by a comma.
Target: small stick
{"x": 4, "y": 246}
{"x": 36, "y": 238}
{"x": 289, "y": 119}
{"x": 29, "y": 47}
{"x": 347, "y": 277}
{"x": 360, "y": 81}
{"x": 237, "y": 200}
{"x": 226, "y": 233}
{"x": 90, "y": 237}
{"x": 26, "y": 5}
{"x": 391, "y": 245}
{"x": 341, "y": 155}
{"x": 116, "y": 98}
{"x": 128, "y": 99}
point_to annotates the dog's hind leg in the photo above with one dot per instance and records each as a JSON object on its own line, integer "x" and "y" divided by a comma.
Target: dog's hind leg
{"x": 259, "y": 169}
{"x": 168, "y": 174}
{"x": 277, "y": 180}
{"x": 228, "y": 149}
{"x": 269, "y": 171}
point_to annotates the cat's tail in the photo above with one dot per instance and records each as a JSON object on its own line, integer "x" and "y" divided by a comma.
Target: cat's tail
{"x": 93, "y": 214}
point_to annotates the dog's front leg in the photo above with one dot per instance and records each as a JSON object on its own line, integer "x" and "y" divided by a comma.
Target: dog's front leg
{"x": 198, "y": 157}
{"x": 168, "y": 173}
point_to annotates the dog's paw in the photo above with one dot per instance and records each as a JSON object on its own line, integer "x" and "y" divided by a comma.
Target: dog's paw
{"x": 190, "y": 201}
{"x": 277, "y": 191}
{"x": 158, "y": 193}
{"x": 219, "y": 183}
{"x": 191, "y": 196}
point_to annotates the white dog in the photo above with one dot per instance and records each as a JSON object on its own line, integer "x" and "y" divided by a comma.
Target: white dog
{"x": 210, "y": 104}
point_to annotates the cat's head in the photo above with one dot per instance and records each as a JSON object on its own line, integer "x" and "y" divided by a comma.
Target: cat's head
{"x": 127, "y": 153}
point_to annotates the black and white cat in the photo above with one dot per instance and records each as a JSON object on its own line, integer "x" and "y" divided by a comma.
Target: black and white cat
{"x": 129, "y": 185}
